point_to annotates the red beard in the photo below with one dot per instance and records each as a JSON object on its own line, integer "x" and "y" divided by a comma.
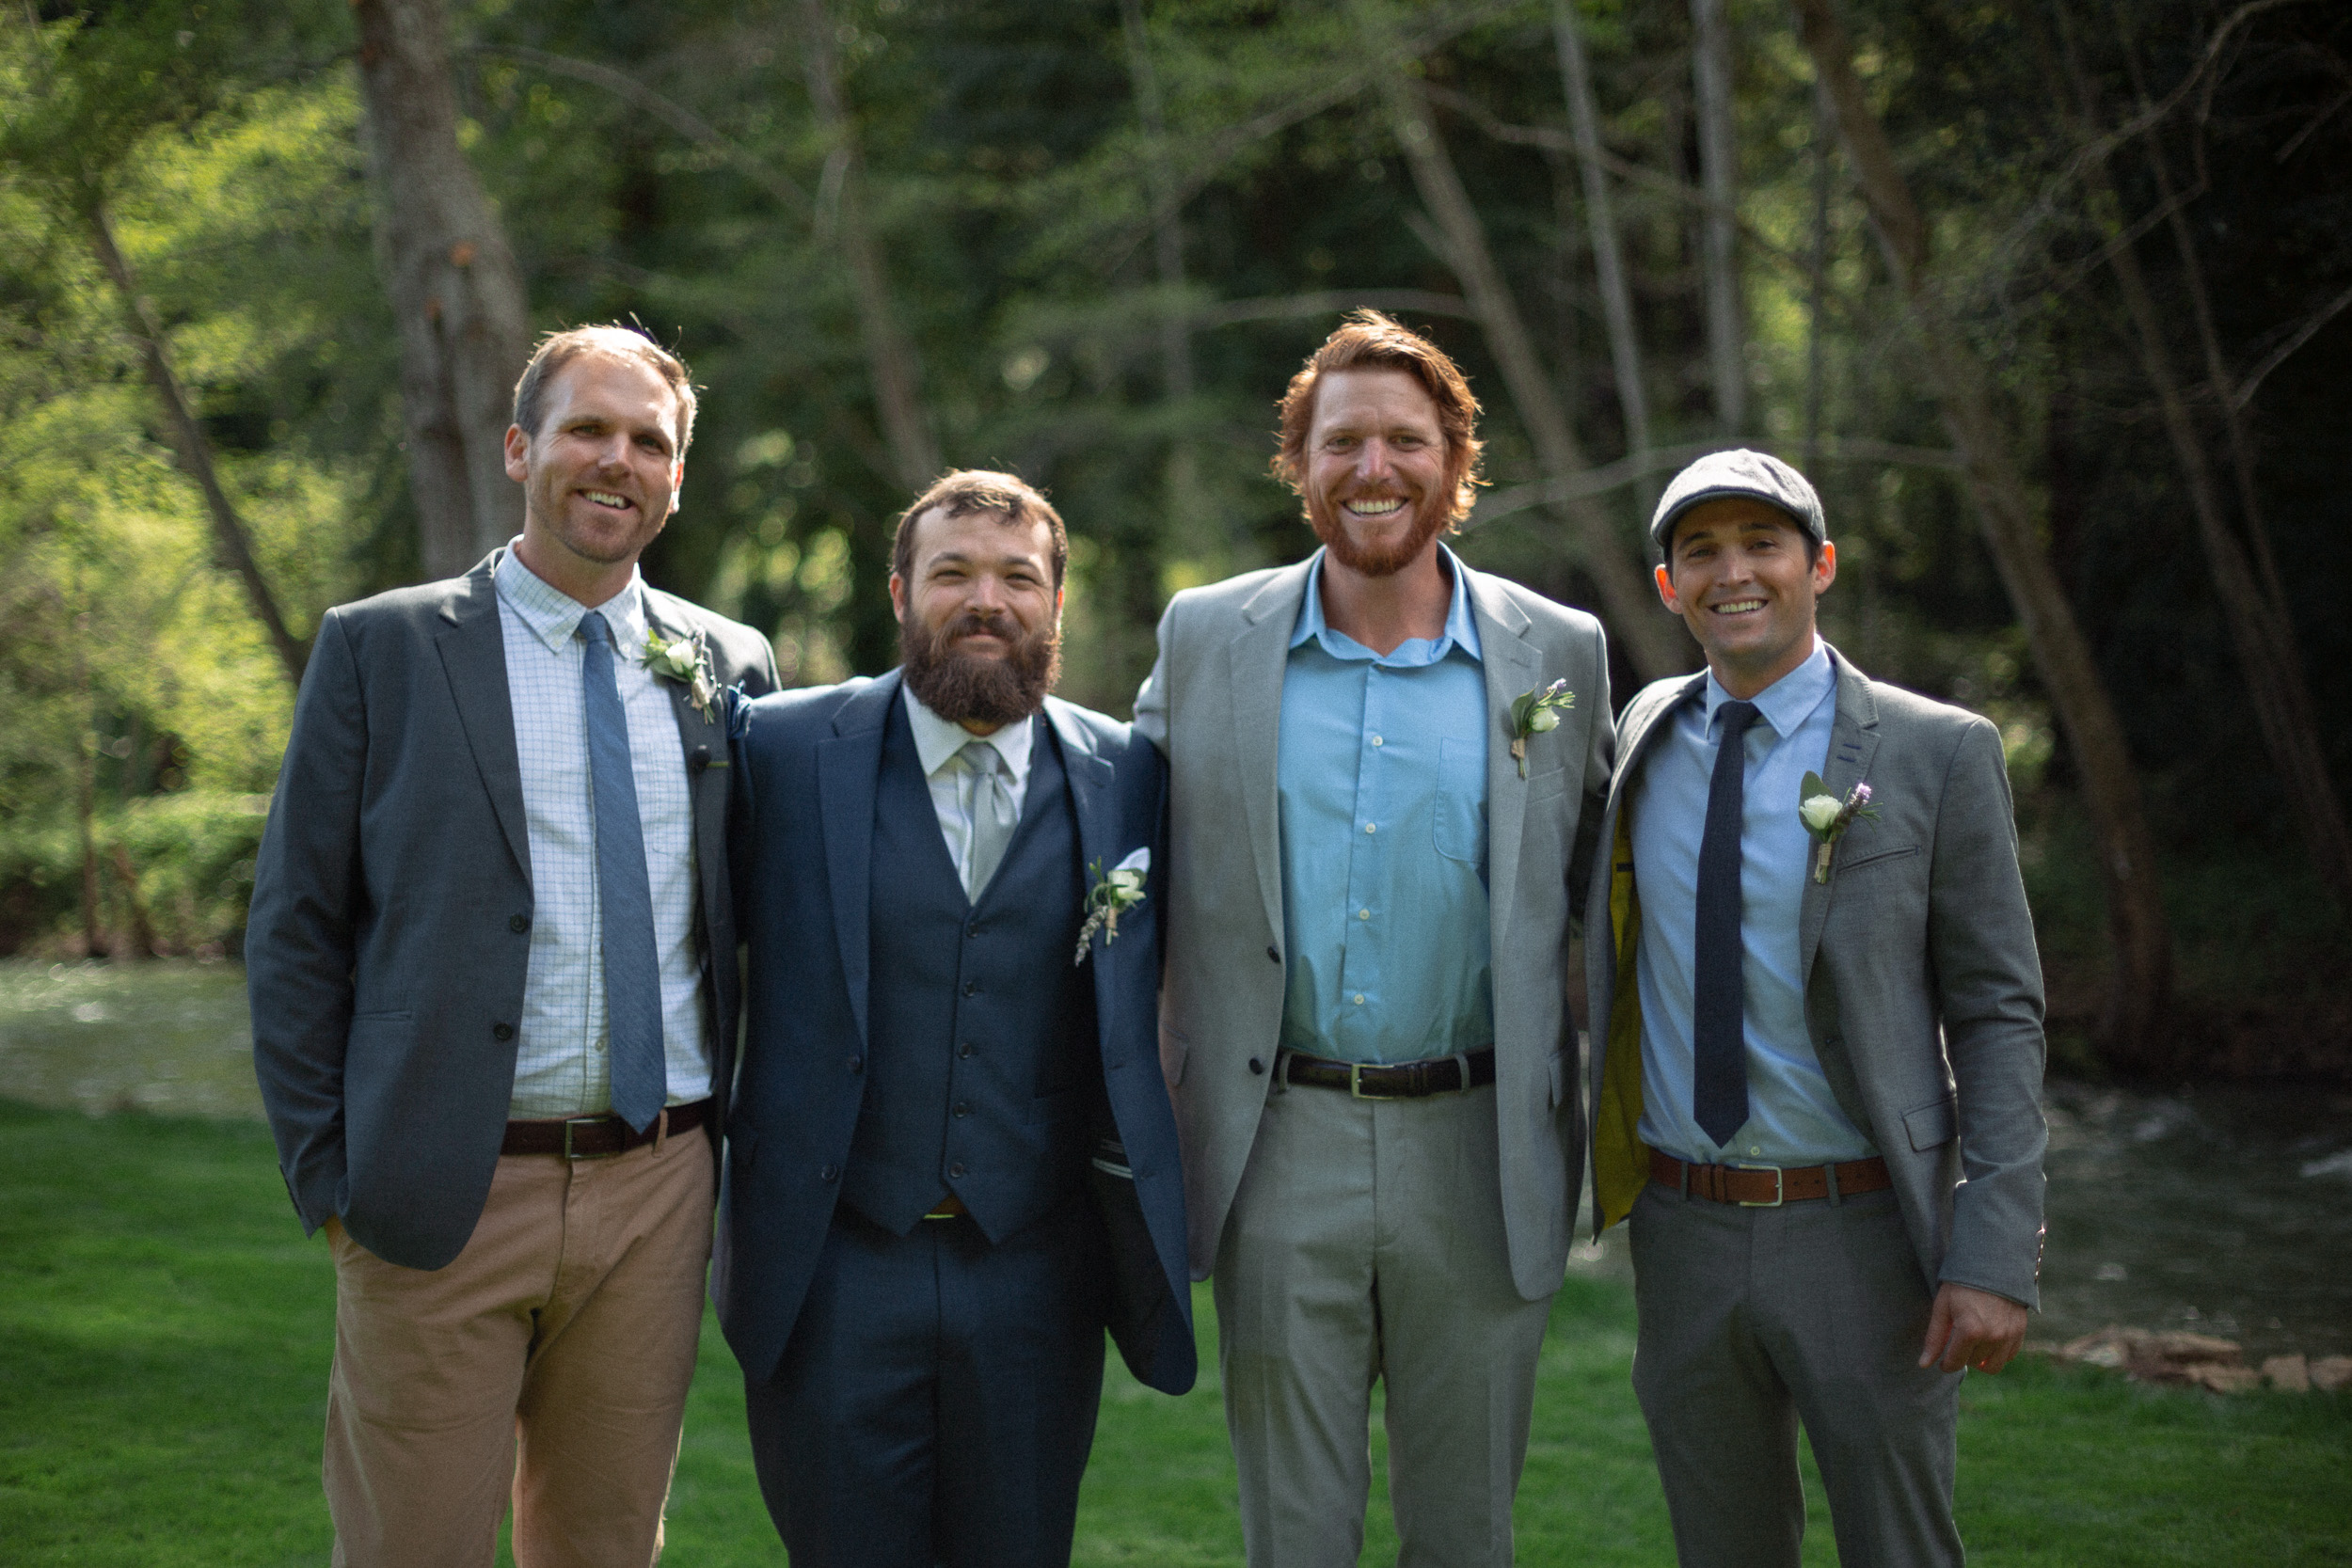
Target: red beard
{"x": 1430, "y": 520}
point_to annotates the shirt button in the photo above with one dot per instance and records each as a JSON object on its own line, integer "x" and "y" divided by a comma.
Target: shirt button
{"x": 1754, "y": 1151}
{"x": 1364, "y": 915}
{"x": 1378, "y": 741}
{"x": 602, "y": 1043}
{"x": 1359, "y": 999}
{"x": 1370, "y": 827}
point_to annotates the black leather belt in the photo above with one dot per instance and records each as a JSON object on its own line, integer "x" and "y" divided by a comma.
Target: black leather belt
{"x": 1392, "y": 1080}
{"x": 597, "y": 1137}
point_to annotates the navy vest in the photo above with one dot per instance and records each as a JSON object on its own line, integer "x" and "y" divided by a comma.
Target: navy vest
{"x": 982, "y": 1063}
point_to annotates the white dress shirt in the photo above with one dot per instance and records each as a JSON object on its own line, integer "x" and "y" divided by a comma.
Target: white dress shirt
{"x": 563, "y": 1066}
{"x": 955, "y": 788}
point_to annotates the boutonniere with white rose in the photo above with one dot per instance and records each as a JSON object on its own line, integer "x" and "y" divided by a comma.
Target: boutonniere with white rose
{"x": 1537, "y": 712}
{"x": 1109, "y": 897}
{"x": 686, "y": 661}
{"x": 1827, "y": 819}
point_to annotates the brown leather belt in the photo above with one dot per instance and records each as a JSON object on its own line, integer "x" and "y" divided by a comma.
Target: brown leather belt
{"x": 1392, "y": 1080}
{"x": 597, "y": 1137}
{"x": 1770, "y": 1186}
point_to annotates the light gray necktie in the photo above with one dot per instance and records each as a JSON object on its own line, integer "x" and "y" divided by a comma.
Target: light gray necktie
{"x": 989, "y": 809}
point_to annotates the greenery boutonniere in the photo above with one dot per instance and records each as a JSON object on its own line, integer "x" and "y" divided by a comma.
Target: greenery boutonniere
{"x": 687, "y": 661}
{"x": 1537, "y": 712}
{"x": 1826, "y": 820}
{"x": 1109, "y": 897}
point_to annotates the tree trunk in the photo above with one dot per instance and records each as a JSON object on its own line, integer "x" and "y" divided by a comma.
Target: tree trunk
{"x": 1719, "y": 260}
{"x": 889, "y": 358}
{"x": 2140, "y": 985}
{"x": 457, "y": 299}
{"x": 1181, "y": 499}
{"x": 1651, "y": 639}
{"x": 2259, "y": 626}
{"x": 139, "y": 940}
{"x": 1616, "y": 296}
{"x": 229, "y": 536}
{"x": 1817, "y": 287}
{"x": 84, "y": 796}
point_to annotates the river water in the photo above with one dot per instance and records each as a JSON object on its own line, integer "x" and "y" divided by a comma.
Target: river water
{"x": 2225, "y": 1210}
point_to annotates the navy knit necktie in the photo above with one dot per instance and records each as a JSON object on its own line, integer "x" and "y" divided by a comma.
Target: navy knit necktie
{"x": 632, "y": 972}
{"x": 1719, "y": 996}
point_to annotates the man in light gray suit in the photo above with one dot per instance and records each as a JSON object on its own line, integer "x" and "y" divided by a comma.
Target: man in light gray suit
{"x": 1373, "y": 866}
{"x": 492, "y": 963}
{"x": 1815, "y": 1092}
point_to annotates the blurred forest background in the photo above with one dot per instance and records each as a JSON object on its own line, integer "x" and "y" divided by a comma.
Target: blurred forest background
{"x": 2049, "y": 296}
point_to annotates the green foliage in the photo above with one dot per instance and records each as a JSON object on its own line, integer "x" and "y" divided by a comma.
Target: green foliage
{"x": 170, "y": 1333}
{"x": 193, "y": 854}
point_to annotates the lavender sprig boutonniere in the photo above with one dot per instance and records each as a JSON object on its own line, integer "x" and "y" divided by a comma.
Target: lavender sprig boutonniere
{"x": 685, "y": 660}
{"x": 1827, "y": 819}
{"x": 1109, "y": 897}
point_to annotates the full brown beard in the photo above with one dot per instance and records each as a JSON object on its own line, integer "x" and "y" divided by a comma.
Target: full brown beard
{"x": 968, "y": 688}
{"x": 1429, "y": 520}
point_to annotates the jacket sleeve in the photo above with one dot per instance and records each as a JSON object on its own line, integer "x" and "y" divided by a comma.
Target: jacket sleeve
{"x": 1601, "y": 755}
{"x": 300, "y": 942}
{"x": 1151, "y": 715}
{"x": 1988, "y": 980}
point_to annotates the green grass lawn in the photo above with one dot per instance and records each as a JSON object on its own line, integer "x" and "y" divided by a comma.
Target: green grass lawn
{"x": 165, "y": 1333}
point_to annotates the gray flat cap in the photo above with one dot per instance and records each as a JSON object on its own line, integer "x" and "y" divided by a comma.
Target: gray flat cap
{"x": 1721, "y": 475}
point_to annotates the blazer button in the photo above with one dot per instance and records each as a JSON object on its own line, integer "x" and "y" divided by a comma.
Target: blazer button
{"x": 831, "y": 1173}
{"x": 956, "y": 1169}
{"x": 857, "y": 1064}
{"x": 501, "y": 1031}
{"x": 518, "y": 922}
{"x": 1256, "y": 1065}
{"x": 1274, "y": 953}
{"x": 964, "y": 1107}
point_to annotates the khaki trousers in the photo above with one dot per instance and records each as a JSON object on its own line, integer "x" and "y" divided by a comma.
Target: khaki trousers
{"x": 549, "y": 1361}
{"x": 1366, "y": 1242}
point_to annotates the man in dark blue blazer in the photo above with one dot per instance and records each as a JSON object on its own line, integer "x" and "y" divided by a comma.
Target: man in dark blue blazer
{"x": 952, "y": 1160}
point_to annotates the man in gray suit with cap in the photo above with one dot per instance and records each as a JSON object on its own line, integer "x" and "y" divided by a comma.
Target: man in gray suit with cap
{"x": 1818, "y": 1021}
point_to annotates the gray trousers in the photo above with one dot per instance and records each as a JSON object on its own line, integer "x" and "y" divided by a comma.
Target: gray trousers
{"x": 1366, "y": 1242}
{"x": 1752, "y": 1320}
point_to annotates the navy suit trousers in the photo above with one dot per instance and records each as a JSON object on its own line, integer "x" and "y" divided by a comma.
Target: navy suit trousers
{"x": 936, "y": 1400}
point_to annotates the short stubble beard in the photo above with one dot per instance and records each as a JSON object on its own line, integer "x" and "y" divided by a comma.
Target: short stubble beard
{"x": 970, "y": 688}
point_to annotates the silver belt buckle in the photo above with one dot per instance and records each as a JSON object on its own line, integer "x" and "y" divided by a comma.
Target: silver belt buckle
{"x": 1780, "y": 1187}
{"x": 570, "y": 1122}
{"x": 1356, "y": 1083}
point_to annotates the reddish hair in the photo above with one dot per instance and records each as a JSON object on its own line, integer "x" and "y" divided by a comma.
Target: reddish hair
{"x": 1370, "y": 340}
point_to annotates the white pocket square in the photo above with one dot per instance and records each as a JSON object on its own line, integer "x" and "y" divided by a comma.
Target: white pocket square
{"x": 1140, "y": 861}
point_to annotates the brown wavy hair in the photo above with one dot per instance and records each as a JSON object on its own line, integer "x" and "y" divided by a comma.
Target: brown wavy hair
{"x": 558, "y": 349}
{"x": 1370, "y": 340}
{"x": 967, "y": 490}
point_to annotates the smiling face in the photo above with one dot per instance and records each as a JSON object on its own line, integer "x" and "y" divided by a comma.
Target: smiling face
{"x": 979, "y": 618}
{"x": 1737, "y": 573}
{"x": 599, "y": 476}
{"x": 1377, "y": 484}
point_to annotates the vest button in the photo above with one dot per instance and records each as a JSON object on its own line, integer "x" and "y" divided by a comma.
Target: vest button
{"x": 1256, "y": 1065}
{"x": 963, "y": 1108}
{"x": 1274, "y": 953}
{"x": 857, "y": 1064}
{"x": 501, "y": 1031}
{"x": 972, "y": 929}
{"x": 518, "y": 924}
{"x": 956, "y": 1169}
{"x": 831, "y": 1173}
{"x": 968, "y": 1049}
{"x": 971, "y": 988}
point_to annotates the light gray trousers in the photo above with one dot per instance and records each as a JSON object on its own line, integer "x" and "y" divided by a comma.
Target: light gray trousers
{"x": 1366, "y": 1242}
{"x": 1752, "y": 1320}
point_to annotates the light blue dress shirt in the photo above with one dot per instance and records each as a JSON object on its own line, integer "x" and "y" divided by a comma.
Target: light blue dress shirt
{"x": 1382, "y": 775}
{"x": 1793, "y": 1118}
{"x": 562, "y": 1062}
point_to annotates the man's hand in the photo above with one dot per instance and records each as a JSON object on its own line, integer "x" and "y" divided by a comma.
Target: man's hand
{"x": 1969, "y": 1328}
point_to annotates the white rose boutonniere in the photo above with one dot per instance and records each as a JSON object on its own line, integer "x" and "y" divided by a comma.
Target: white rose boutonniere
{"x": 1109, "y": 897}
{"x": 686, "y": 661}
{"x": 1537, "y": 712}
{"x": 1827, "y": 819}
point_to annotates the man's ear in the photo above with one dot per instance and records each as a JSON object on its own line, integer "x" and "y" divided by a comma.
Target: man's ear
{"x": 1667, "y": 595}
{"x": 677, "y": 483}
{"x": 1824, "y": 568}
{"x": 899, "y": 595}
{"x": 518, "y": 453}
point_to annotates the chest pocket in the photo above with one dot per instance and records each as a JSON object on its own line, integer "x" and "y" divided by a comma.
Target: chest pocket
{"x": 1459, "y": 820}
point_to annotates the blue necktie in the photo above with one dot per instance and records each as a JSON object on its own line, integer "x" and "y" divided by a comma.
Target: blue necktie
{"x": 1718, "y": 989}
{"x": 632, "y": 972}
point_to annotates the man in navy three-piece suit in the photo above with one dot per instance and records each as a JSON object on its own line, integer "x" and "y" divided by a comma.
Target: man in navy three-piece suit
{"x": 951, "y": 1159}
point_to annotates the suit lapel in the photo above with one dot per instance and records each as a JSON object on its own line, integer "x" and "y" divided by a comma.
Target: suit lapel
{"x": 1510, "y": 667}
{"x": 1091, "y": 803}
{"x": 1255, "y": 662}
{"x": 473, "y": 656}
{"x": 703, "y": 745}
{"x": 1853, "y": 741}
{"x": 849, "y": 768}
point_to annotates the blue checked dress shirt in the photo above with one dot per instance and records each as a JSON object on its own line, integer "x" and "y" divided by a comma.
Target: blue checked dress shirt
{"x": 562, "y": 1063}
{"x": 1793, "y": 1118}
{"x": 1382, "y": 778}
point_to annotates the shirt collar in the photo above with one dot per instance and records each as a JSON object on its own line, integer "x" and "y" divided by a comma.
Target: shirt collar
{"x": 937, "y": 739}
{"x": 1461, "y": 626}
{"x": 1789, "y": 701}
{"x": 553, "y": 615}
